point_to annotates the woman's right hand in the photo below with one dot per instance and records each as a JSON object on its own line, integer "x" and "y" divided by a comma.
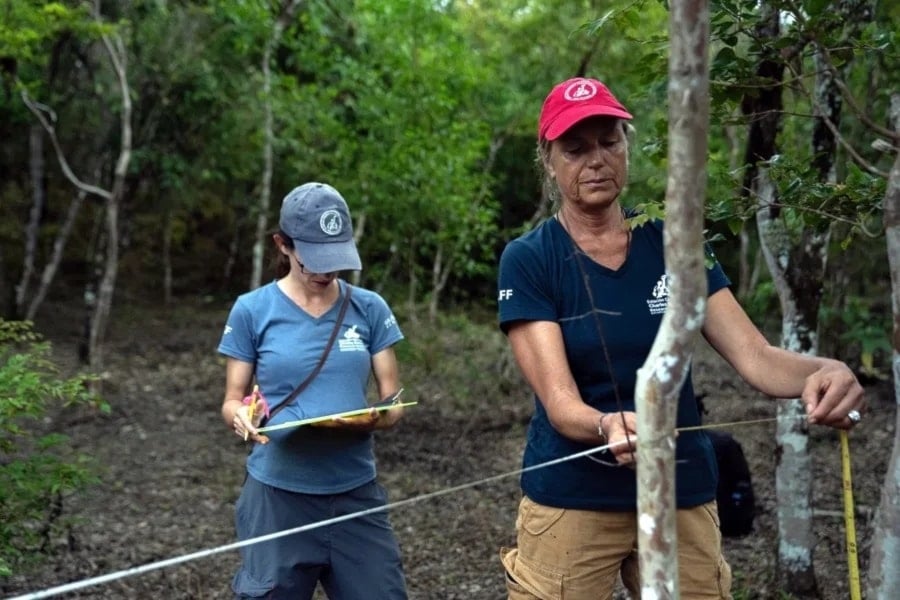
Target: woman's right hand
{"x": 620, "y": 430}
{"x": 236, "y": 404}
{"x": 244, "y": 425}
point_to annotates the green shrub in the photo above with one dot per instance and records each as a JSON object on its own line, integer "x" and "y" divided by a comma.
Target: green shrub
{"x": 460, "y": 365}
{"x": 859, "y": 332}
{"x": 34, "y": 476}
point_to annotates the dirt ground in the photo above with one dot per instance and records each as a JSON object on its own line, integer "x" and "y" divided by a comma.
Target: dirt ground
{"x": 171, "y": 474}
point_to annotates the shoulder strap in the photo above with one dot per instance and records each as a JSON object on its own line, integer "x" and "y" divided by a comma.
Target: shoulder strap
{"x": 334, "y": 332}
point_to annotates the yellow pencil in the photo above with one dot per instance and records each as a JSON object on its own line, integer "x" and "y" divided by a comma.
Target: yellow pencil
{"x": 253, "y": 398}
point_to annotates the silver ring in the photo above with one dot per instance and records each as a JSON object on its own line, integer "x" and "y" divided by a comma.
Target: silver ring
{"x": 854, "y": 416}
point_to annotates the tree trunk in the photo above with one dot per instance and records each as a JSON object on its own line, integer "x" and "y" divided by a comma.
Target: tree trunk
{"x": 38, "y": 171}
{"x": 388, "y": 267}
{"x": 413, "y": 288}
{"x": 265, "y": 192}
{"x": 799, "y": 292}
{"x": 7, "y": 296}
{"x": 763, "y": 107}
{"x": 284, "y": 18}
{"x": 234, "y": 245}
{"x": 662, "y": 375}
{"x": 884, "y": 557}
{"x": 92, "y": 284}
{"x": 99, "y": 305}
{"x": 167, "y": 257}
{"x": 53, "y": 262}
{"x": 745, "y": 283}
{"x": 440, "y": 273}
{"x": 436, "y": 287}
{"x": 359, "y": 230}
{"x": 107, "y": 285}
{"x": 797, "y": 265}
{"x": 118, "y": 57}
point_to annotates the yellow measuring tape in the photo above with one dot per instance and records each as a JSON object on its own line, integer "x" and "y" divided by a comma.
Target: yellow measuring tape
{"x": 849, "y": 520}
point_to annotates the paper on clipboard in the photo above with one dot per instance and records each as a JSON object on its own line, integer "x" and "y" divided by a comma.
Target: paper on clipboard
{"x": 388, "y": 403}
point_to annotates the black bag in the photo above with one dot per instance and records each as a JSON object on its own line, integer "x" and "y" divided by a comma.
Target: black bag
{"x": 737, "y": 504}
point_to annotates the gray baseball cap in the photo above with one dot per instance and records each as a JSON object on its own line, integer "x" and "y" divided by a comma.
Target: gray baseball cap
{"x": 317, "y": 219}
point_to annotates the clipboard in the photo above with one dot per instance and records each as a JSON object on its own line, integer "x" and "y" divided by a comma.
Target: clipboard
{"x": 386, "y": 404}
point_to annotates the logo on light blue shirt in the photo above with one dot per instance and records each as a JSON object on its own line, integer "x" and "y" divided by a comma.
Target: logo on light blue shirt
{"x": 351, "y": 342}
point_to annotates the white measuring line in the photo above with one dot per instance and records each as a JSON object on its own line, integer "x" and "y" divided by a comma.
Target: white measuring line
{"x": 77, "y": 585}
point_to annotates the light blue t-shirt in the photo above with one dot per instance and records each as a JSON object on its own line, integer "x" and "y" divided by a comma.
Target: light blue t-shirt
{"x": 542, "y": 279}
{"x": 285, "y": 343}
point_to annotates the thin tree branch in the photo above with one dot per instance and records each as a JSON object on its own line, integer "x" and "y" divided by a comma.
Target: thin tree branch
{"x": 857, "y": 158}
{"x": 37, "y": 111}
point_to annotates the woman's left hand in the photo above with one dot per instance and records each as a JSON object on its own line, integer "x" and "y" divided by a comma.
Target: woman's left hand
{"x": 370, "y": 421}
{"x": 831, "y": 394}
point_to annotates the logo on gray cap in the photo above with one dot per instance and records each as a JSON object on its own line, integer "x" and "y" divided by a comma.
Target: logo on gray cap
{"x": 331, "y": 222}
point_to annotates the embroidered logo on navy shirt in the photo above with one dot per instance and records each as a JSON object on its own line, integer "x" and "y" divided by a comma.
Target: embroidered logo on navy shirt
{"x": 660, "y": 296}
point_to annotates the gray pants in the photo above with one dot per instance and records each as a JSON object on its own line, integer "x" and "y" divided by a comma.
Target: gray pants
{"x": 357, "y": 559}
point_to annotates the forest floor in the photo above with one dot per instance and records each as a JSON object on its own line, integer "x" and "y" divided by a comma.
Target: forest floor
{"x": 171, "y": 471}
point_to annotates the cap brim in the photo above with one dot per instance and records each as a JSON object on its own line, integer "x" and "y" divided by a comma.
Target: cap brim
{"x": 570, "y": 117}
{"x": 329, "y": 257}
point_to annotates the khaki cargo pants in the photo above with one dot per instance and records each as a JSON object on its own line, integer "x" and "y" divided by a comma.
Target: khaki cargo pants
{"x": 565, "y": 554}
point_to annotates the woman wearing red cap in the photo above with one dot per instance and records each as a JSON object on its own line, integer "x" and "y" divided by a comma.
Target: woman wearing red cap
{"x": 581, "y": 298}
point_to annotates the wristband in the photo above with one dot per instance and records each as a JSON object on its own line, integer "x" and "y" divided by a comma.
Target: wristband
{"x": 603, "y": 439}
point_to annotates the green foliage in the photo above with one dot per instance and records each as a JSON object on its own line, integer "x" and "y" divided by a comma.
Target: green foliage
{"x": 761, "y": 304}
{"x": 27, "y": 25}
{"x": 846, "y": 201}
{"x": 396, "y": 122}
{"x": 422, "y": 113}
{"x": 34, "y": 476}
{"x": 30, "y": 29}
{"x": 646, "y": 212}
{"x": 863, "y": 329}
{"x": 475, "y": 356}
{"x": 817, "y": 204}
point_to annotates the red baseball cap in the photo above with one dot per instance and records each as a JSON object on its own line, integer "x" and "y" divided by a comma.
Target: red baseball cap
{"x": 573, "y": 100}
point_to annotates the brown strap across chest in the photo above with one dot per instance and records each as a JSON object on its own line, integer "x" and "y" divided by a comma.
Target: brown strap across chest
{"x": 334, "y": 333}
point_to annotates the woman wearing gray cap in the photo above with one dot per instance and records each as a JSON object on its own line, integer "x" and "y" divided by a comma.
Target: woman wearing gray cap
{"x": 309, "y": 342}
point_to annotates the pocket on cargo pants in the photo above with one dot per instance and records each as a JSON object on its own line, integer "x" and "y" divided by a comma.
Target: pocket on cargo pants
{"x": 527, "y": 581}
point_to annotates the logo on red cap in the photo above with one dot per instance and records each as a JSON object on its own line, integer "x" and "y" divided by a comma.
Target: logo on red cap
{"x": 580, "y": 90}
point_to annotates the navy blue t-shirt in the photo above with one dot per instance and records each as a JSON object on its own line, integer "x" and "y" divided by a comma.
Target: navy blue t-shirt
{"x": 541, "y": 279}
